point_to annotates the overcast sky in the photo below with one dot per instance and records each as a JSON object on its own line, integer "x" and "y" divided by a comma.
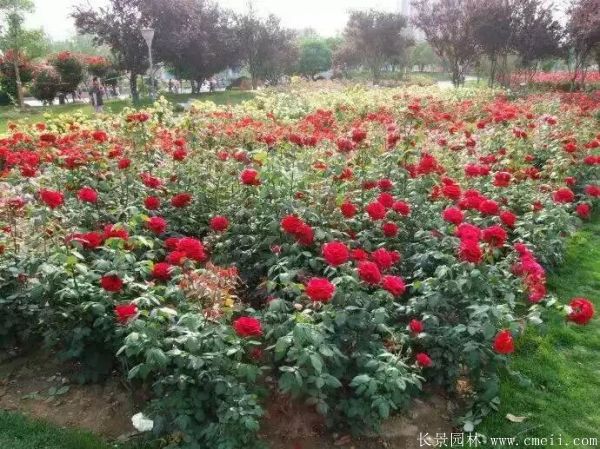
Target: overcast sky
{"x": 326, "y": 16}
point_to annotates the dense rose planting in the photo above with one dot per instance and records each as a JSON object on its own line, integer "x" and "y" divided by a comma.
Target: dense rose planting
{"x": 349, "y": 246}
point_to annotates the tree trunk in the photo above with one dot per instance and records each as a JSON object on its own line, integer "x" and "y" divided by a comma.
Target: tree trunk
{"x": 135, "y": 96}
{"x": 18, "y": 81}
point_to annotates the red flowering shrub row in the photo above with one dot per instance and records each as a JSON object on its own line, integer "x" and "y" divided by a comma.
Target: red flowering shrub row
{"x": 344, "y": 256}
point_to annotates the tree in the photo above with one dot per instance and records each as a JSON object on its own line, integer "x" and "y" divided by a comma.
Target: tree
{"x": 448, "y": 27}
{"x": 493, "y": 31}
{"x": 8, "y": 77}
{"x": 265, "y": 47}
{"x": 583, "y": 31}
{"x": 315, "y": 56}
{"x": 422, "y": 55}
{"x": 70, "y": 69}
{"x": 374, "y": 38}
{"x": 46, "y": 84}
{"x": 536, "y": 34}
{"x": 15, "y": 38}
{"x": 195, "y": 38}
{"x": 118, "y": 26}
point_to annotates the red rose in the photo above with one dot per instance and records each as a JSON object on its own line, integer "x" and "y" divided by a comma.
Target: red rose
{"x": 359, "y": 254}
{"x": 503, "y": 343}
{"x": 181, "y": 200}
{"x": 470, "y": 251}
{"x": 161, "y": 271}
{"x": 384, "y": 258}
{"x": 179, "y": 154}
{"x": 393, "y": 284}
{"x": 502, "y": 179}
{"x": 247, "y": 326}
{"x": 369, "y": 272}
{"x": 125, "y": 312}
{"x": 192, "y": 248}
{"x": 592, "y": 190}
{"x": 111, "y": 283}
{"x": 152, "y": 203}
{"x": 386, "y": 199}
{"x": 489, "y": 207}
{"x": 320, "y": 289}
{"x": 348, "y": 209}
{"x": 495, "y": 236}
{"x": 584, "y": 210}
{"x": 158, "y": 225}
{"x": 52, "y": 198}
{"x": 219, "y": 223}
{"x": 389, "y": 229}
{"x": 114, "y": 232}
{"x": 424, "y": 360}
{"x": 92, "y": 240}
{"x": 563, "y": 195}
{"x": 376, "y": 210}
{"x": 88, "y": 195}
{"x": 401, "y": 207}
{"x": 124, "y": 163}
{"x": 582, "y": 311}
{"x": 508, "y": 218}
{"x": 291, "y": 224}
{"x": 416, "y": 326}
{"x": 176, "y": 257}
{"x": 335, "y": 253}
{"x": 453, "y": 215}
{"x": 249, "y": 177}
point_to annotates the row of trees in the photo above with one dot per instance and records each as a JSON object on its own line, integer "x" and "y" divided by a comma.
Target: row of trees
{"x": 461, "y": 31}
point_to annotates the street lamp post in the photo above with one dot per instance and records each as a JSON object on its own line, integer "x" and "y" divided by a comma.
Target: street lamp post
{"x": 148, "y": 35}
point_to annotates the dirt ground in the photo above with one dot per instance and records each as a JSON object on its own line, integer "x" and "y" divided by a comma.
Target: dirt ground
{"x": 39, "y": 386}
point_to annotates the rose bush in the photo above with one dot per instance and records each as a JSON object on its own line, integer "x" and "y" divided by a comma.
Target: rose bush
{"x": 343, "y": 248}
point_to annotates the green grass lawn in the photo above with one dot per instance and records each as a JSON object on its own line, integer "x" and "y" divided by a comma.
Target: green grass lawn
{"x": 563, "y": 364}
{"x": 34, "y": 115}
{"x": 17, "y": 432}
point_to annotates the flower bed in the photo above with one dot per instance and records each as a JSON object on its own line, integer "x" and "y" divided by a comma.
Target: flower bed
{"x": 343, "y": 248}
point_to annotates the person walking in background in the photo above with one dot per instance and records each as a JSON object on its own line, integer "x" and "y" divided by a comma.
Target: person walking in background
{"x": 96, "y": 95}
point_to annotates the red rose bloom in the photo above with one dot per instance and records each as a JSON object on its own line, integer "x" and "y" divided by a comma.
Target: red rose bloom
{"x": 582, "y": 311}
{"x": 453, "y": 215}
{"x": 503, "y": 343}
{"x": 158, "y": 225}
{"x": 125, "y": 312}
{"x": 488, "y": 207}
{"x": 161, "y": 271}
{"x": 386, "y": 199}
{"x": 384, "y": 258}
{"x": 335, "y": 253}
{"x": 348, "y": 209}
{"x": 508, "y": 218}
{"x": 369, "y": 272}
{"x": 416, "y": 326}
{"x": 389, "y": 229}
{"x": 470, "y": 251}
{"x": 563, "y": 195}
{"x": 495, "y": 236}
{"x": 92, "y": 240}
{"x": 584, "y": 210}
{"x": 249, "y": 177}
{"x": 401, "y": 207}
{"x": 592, "y": 190}
{"x": 319, "y": 289}
{"x": 88, "y": 195}
{"x": 152, "y": 203}
{"x": 176, "y": 257}
{"x": 502, "y": 179}
{"x": 179, "y": 154}
{"x": 359, "y": 254}
{"x": 423, "y": 360}
{"x": 291, "y": 224}
{"x": 114, "y": 232}
{"x": 124, "y": 163}
{"x": 376, "y": 210}
{"x": 467, "y": 231}
{"x": 219, "y": 223}
{"x": 111, "y": 283}
{"x": 247, "y": 326}
{"x": 181, "y": 200}
{"x": 393, "y": 284}
{"x": 192, "y": 248}
{"x": 52, "y": 198}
